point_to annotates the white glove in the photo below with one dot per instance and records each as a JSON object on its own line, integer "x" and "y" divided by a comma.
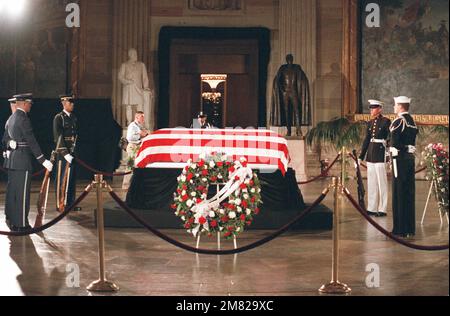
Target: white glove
{"x": 69, "y": 158}
{"x": 8, "y": 153}
{"x": 411, "y": 149}
{"x": 359, "y": 161}
{"x": 48, "y": 165}
{"x": 394, "y": 151}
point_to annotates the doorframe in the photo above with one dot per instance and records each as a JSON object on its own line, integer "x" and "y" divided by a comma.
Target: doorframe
{"x": 169, "y": 33}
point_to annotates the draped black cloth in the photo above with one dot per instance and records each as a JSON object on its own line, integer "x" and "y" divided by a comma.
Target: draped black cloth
{"x": 152, "y": 189}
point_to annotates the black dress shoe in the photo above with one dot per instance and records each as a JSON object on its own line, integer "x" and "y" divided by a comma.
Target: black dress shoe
{"x": 408, "y": 236}
{"x": 381, "y": 214}
{"x": 8, "y": 223}
{"x": 370, "y": 213}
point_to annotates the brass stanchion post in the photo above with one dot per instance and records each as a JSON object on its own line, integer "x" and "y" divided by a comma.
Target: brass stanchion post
{"x": 343, "y": 167}
{"x": 335, "y": 287}
{"x": 101, "y": 285}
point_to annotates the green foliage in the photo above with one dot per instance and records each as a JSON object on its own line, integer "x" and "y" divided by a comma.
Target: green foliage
{"x": 337, "y": 133}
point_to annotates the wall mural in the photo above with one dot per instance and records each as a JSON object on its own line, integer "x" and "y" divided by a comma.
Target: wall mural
{"x": 407, "y": 55}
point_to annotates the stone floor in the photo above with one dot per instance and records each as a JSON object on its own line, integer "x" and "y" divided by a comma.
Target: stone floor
{"x": 294, "y": 264}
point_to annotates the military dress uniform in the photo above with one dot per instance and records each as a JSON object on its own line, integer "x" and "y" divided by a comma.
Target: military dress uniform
{"x": 65, "y": 135}
{"x": 374, "y": 152}
{"x": 23, "y": 147}
{"x": 403, "y": 140}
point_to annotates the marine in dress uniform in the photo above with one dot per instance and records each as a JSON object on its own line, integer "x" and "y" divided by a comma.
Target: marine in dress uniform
{"x": 65, "y": 135}
{"x": 403, "y": 141}
{"x": 7, "y": 151}
{"x": 374, "y": 152}
{"x": 24, "y": 147}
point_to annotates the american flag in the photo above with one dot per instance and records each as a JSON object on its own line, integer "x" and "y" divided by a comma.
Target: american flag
{"x": 172, "y": 148}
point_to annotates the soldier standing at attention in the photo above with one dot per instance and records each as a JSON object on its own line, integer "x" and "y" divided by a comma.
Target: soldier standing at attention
{"x": 374, "y": 152}
{"x": 403, "y": 135}
{"x": 23, "y": 146}
{"x": 65, "y": 136}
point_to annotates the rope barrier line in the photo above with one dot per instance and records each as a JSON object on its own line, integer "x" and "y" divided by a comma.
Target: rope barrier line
{"x": 365, "y": 167}
{"x": 106, "y": 174}
{"x": 186, "y": 247}
{"x": 389, "y": 234}
{"x": 53, "y": 221}
{"x": 323, "y": 174}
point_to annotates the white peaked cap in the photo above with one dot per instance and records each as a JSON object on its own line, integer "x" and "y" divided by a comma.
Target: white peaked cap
{"x": 402, "y": 99}
{"x": 375, "y": 102}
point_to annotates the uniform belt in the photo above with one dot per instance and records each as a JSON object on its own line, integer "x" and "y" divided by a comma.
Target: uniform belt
{"x": 69, "y": 138}
{"x": 22, "y": 144}
{"x": 379, "y": 141}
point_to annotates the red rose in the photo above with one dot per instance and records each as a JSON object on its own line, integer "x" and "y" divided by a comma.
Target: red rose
{"x": 244, "y": 204}
{"x": 179, "y": 191}
{"x": 257, "y": 210}
{"x": 187, "y": 226}
{"x": 174, "y": 206}
{"x": 243, "y": 217}
{"x": 219, "y": 164}
{"x": 230, "y": 228}
{"x": 249, "y": 223}
{"x": 253, "y": 199}
{"x": 213, "y": 224}
{"x": 213, "y": 179}
{"x": 201, "y": 163}
{"x": 191, "y": 220}
{"x": 189, "y": 177}
{"x": 251, "y": 183}
{"x": 227, "y": 234}
{"x": 244, "y": 164}
{"x": 199, "y": 200}
{"x": 243, "y": 186}
{"x": 184, "y": 187}
{"x": 204, "y": 172}
{"x": 225, "y": 219}
{"x": 202, "y": 220}
{"x": 231, "y": 170}
{"x": 200, "y": 188}
{"x": 185, "y": 198}
{"x": 237, "y": 178}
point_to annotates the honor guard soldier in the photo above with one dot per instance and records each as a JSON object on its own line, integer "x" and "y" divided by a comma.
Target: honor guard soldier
{"x": 374, "y": 152}
{"x": 65, "y": 136}
{"x": 201, "y": 122}
{"x": 23, "y": 146}
{"x": 403, "y": 141}
{"x": 7, "y": 150}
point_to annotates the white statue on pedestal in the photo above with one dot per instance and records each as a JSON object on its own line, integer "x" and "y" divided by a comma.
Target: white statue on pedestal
{"x": 137, "y": 95}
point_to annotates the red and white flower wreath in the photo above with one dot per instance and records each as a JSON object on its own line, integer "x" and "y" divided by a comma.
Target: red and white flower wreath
{"x": 241, "y": 187}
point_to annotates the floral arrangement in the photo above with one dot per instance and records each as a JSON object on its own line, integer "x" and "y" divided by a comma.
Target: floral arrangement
{"x": 131, "y": 157}
{"x": 437, "y": 161}
{"x": 228, "y": 217}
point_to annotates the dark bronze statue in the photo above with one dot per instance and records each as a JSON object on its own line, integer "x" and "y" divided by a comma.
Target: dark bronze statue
{"x": 291, "y": 101}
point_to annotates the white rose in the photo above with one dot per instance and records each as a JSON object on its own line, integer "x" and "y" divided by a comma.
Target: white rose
{"x": 239, "y": 209}
{"x": 212, "y": 164}
{"x": 221, "y": 211}
{"x": 248, "y": 211}
{"x": 197, "y": 175}
{"x": 183, "y": 193}
{"x": 220, "y": 176}
{"x": 253, "y": 190}
{"x": 232, "y": 215}
{"x": 238, "y": 229}
{"x": 180, "y": 199}
{"x": 192, "y": 181}
{"x": 259, "y": 190}
{"x": 189, "y": 203}
{"x": 246, "y": 196}
{"x": 194, "y": 166}
{"x": 224, "y": 158}
{"x": 183, "y": 178}
{"x": 189, "y": 161}
{"x": 183, "y": 218}
{"x": 212, "y": 214}
{"x": 205, "y": 180}
{"x": 221, "y": 228}
{"x": 244, "y": 190}
{"x": 194, "y": 194}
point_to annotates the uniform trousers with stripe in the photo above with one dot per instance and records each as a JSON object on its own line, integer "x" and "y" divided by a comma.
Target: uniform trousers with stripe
{"x": 377, "y": 187}
{"x": 17, "y": 205}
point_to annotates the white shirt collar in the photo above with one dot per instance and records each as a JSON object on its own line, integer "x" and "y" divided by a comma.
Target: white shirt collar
{"x": 403, "y": 113}
{"x": 68, "y": 114}
{"x": 22, "y": 110}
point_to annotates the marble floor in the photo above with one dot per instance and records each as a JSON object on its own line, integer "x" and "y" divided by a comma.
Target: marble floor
{"x": 63, "y": 260}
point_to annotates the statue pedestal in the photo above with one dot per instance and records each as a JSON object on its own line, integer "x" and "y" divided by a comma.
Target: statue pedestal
{"x": 297, "y": 151}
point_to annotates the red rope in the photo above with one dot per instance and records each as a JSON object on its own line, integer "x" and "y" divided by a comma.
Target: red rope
{"x": 106, "y": 174}
{"x": 323, "y": 174}
{"x": 389, "y": 234}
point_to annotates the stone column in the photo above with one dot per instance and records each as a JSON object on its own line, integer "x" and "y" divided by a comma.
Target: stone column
{"x": 131, "y": 29}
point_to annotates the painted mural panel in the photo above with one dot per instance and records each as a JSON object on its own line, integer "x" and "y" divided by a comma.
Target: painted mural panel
{"x": 407, "y": 55}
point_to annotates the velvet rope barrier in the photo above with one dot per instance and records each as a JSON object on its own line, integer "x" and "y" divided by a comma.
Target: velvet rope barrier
{"x": 106, "y": 174}
{"x": 365, "y": 167}
{"x": 53, "y": 221}
{"x": 323, "y": 174}
{"x": 186, "y": 247}
{"x": 387, "y": 233}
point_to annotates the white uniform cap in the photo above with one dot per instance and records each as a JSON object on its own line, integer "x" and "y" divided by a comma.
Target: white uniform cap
{"x": 375, "y": 103}
{"x": 402, "y": 99}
